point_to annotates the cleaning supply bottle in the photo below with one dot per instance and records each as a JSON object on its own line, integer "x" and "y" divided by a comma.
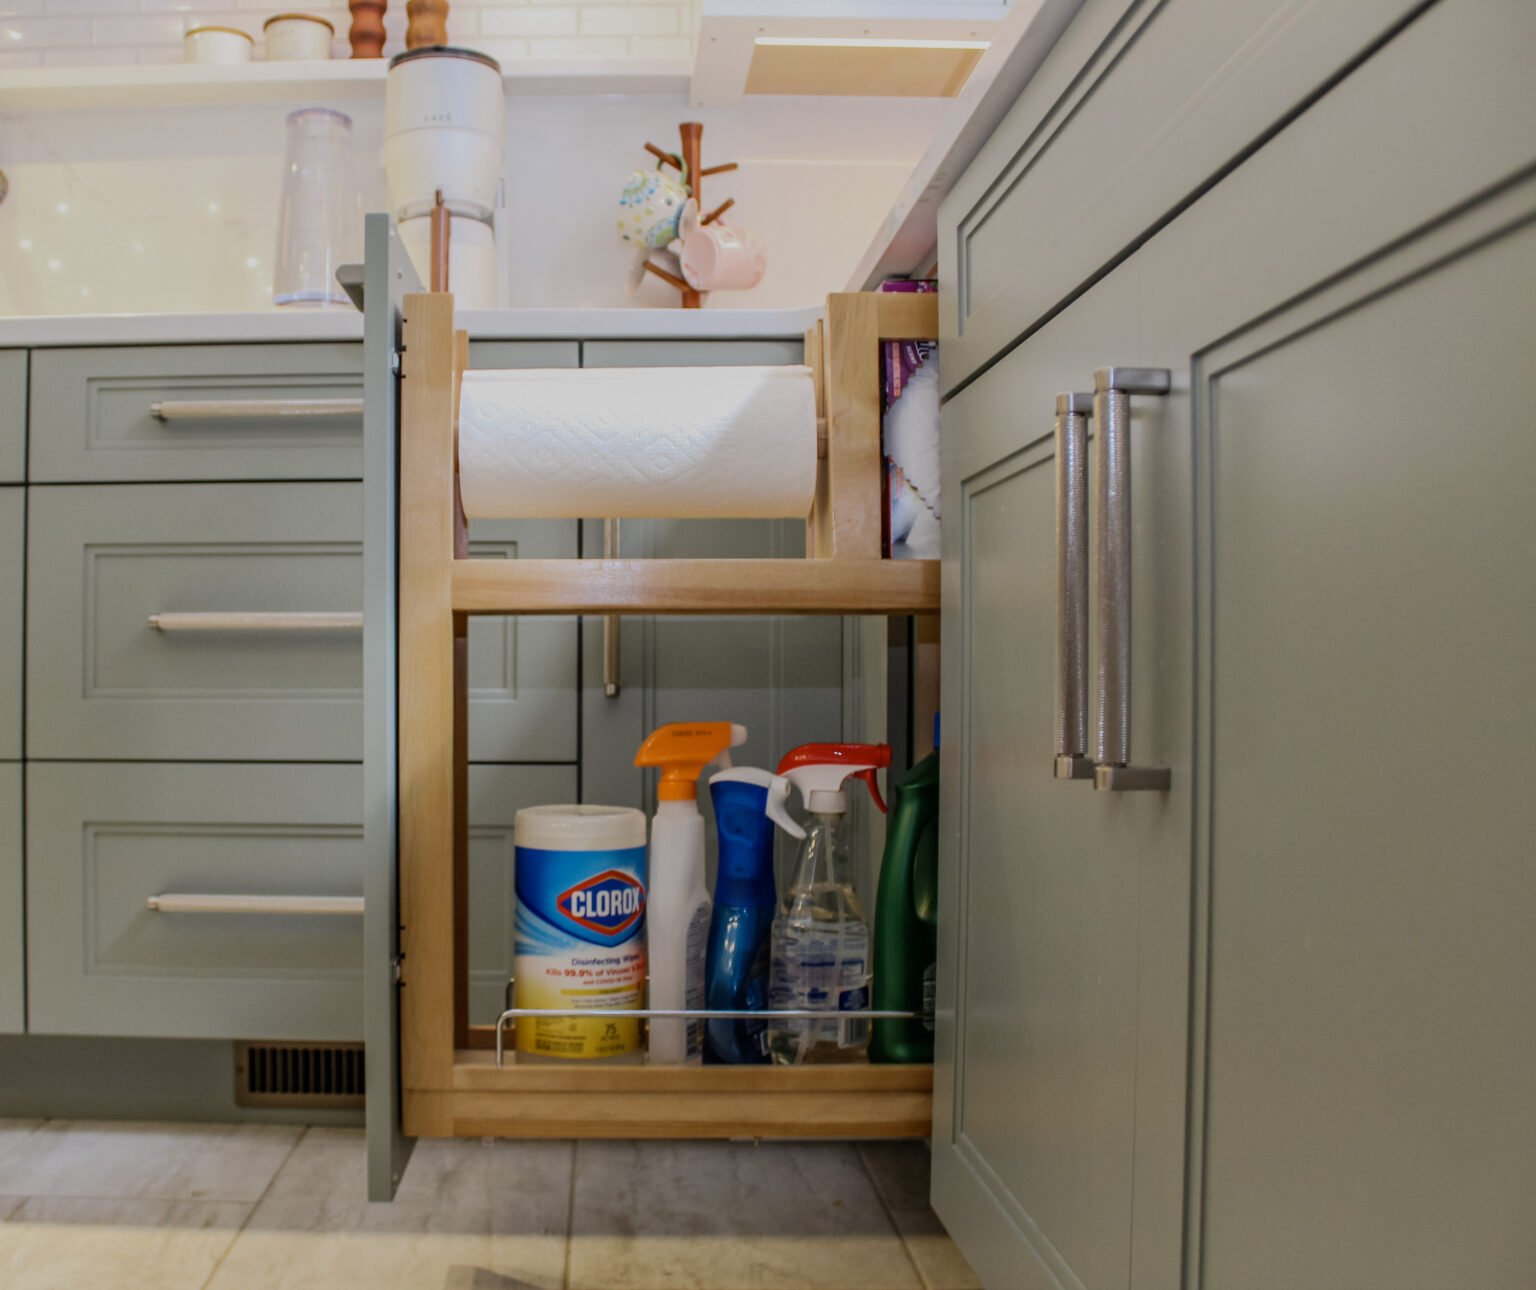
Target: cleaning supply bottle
{"x": 677, "y": 903}
{"x": 748, "y": 803}
{"x": 906, "y": 924}
{"x": 820, "y": 955}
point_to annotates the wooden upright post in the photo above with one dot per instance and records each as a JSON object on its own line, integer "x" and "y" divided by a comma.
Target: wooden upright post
{"x": 427, "y": 727}
{"x": 692, "y": 133}
{"x": 851, "y": 371}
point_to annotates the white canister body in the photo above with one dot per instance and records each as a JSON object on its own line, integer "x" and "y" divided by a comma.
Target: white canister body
{"x": 579, "y": 930}
{"x": 473, "y": 269}
{"x": 216, "y": 45}
{"x": 297, "y": 37}
{"x": 444, "y": 131}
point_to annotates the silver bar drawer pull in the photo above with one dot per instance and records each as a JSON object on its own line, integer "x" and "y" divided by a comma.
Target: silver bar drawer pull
{"x": 194, "y": 903}
{"x": 1113, "y": 387}
{"x": 1072, "y": 761}
{"x": 341, "y": 621}
{"x": 248, "y": 409}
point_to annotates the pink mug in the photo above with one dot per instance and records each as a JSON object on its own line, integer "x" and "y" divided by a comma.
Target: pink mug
{"x": 719, "y": 256}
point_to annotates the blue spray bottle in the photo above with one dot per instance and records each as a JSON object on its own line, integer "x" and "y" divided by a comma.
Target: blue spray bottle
{"x": 748, "y": 803}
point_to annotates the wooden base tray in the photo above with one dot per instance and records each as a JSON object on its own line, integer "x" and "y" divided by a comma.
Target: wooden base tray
{"x": 673, "y": 1102}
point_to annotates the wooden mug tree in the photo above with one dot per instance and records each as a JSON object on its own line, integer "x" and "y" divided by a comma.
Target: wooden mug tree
{"x": 692, "y": 134}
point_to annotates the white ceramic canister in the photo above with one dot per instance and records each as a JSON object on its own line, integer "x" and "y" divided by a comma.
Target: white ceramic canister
{"x": 216, "y": 45}
{"x": 297, "y": 38}
{"x": 579, "y": 930}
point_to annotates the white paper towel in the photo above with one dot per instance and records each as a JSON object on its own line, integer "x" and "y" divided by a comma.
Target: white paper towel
{"x": 638, "y": 441}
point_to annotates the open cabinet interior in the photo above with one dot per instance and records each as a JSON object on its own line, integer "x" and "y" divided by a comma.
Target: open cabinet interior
{"x": 451, "y": 1082}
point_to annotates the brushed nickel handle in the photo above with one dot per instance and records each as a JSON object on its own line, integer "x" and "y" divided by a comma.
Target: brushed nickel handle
{"x": 257, "y": 622}
{"x": 1072, "y": 761}
{"x": 1113, "y": 387}
{"x": 234, "y": 409}
{"x": 611, "y": 639}
{"x": 193, "y": 903}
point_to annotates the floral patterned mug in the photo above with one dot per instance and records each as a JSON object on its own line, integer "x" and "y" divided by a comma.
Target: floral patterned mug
{"x": 649, "y": 207}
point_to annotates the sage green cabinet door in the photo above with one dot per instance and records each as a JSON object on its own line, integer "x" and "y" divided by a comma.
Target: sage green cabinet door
{"x": 1137, "y": 108}
{"x": 13, "y": 415}
{"x": 1064, "y": 935}
{"x": 496, "y": 794}
{"x": 103, "y": 839}
{"x": 13, "y": 509}
{"x": 104, "y": 683}
{"x": 13, "y": 967}
{"x": 780, "y": 677}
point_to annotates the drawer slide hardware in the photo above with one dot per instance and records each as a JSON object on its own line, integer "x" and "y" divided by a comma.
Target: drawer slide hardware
{"x": 341, "y": 621}
{"x": 1113, "y": 387}
{"x": 195, "y": 903}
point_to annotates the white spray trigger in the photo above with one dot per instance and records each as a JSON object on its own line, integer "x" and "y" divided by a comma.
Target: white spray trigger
{"x": 778, "y": 812}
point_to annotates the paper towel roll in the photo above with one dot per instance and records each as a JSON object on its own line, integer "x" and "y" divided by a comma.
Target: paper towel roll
{"x": 638, "y": 441}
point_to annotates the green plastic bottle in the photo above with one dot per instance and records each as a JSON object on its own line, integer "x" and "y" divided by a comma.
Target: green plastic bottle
{"x": 906, "y": 922}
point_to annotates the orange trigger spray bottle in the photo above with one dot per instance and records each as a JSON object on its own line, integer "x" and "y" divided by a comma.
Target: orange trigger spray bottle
{"x": 677, "y": 903}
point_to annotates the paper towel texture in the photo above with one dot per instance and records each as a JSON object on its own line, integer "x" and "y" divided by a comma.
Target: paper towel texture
{"x": 638, "y": 441}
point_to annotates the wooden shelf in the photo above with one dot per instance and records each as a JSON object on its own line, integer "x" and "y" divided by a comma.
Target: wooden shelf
{"x": 696, "y": 586}
{"x": 672, "y": 1101}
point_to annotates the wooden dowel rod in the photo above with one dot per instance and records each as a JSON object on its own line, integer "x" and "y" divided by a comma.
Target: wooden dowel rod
{"x": 670, "y": 278}
{"x": 665, "y": 157}
{"x": 717, "y": 170}
{"x": 718, "y": 211}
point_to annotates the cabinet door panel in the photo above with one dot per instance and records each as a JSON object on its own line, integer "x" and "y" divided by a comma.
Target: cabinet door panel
{"x": 1372, "y": 996}
{"x": 13, "y": 415}
{"x": 13, "y": 545}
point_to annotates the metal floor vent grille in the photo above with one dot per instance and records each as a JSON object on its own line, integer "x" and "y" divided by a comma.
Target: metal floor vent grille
{"x": 299, "y": 1075}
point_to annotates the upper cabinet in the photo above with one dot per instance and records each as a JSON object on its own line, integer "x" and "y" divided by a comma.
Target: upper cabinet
{"x": 1138, "y": 109}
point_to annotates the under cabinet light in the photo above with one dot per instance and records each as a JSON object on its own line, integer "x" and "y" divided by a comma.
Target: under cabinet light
{"x": 867, "y": 42}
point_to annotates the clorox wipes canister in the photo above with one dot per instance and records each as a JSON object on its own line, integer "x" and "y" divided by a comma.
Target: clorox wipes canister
{"x": 579, "y": 930}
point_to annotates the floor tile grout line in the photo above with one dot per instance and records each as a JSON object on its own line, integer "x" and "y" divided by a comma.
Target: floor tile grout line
{"x": 255, "y": 1205}
{"x": 890, "y": 1214}
{"x": 570, "y": 1218}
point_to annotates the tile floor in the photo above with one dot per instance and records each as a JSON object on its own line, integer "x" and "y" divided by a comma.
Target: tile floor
{"x": 227, "y": 1207}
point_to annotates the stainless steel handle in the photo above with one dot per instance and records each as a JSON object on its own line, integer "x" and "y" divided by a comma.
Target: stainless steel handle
{"x": 1072, "y": 761}
{"x": 234, "y": 409}
{"x": 611, "y": 621}
{"x": 257, "y": 622}
{"x": 192, "y": 903}
{"x": 1113, "y": 387}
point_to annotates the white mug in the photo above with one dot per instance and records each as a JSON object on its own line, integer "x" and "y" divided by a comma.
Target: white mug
{"x": 719, "y": 256}
{"x": 648, "y": 208}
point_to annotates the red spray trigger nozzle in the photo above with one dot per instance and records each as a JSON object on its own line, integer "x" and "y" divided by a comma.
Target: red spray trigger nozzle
{"x": 841, "y": 761}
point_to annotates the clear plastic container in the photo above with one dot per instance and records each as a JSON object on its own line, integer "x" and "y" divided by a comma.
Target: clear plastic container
{"x": 320, "y": 224}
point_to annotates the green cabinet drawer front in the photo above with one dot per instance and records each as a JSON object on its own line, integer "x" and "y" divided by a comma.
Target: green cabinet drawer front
{"x": 12, "y": 549}
{"x": 102, "y": 682}
{"x": 13, "y": 415}
{"x": 13, "y": 979}
{"x": 1136, "y": 109}
{"x": 104, "y": 839}
{"x": 91, "y": 414}
{"x": 105, "y": 684}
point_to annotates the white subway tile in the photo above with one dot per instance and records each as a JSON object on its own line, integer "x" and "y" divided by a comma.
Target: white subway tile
{"x": 629, "y": 20}
{"x": 158, "y": 29}
{"x": 528, "y": 21}
{"x": 503, "y": 49}
{"x": 159, "y": 54}
{"x": 20, "y": 8}
{"x": 89, "y": 57}
{"x": 578, "y": 47}
{"x": 91, "y": 6}
{"x": 179, "y": 6}
{"x": 19, "y": 58}
{"x": 661, "y": 47}
{"x": 20, "y": 34}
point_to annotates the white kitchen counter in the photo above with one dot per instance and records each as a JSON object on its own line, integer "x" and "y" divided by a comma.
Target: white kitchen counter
{"x": 347, "y": 324}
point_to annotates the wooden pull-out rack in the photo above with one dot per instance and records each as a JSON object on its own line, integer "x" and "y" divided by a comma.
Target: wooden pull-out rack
{"x": 450, "y": 1085}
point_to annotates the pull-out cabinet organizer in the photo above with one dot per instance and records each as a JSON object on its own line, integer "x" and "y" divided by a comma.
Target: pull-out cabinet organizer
{"x": 449, "y": 1082}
